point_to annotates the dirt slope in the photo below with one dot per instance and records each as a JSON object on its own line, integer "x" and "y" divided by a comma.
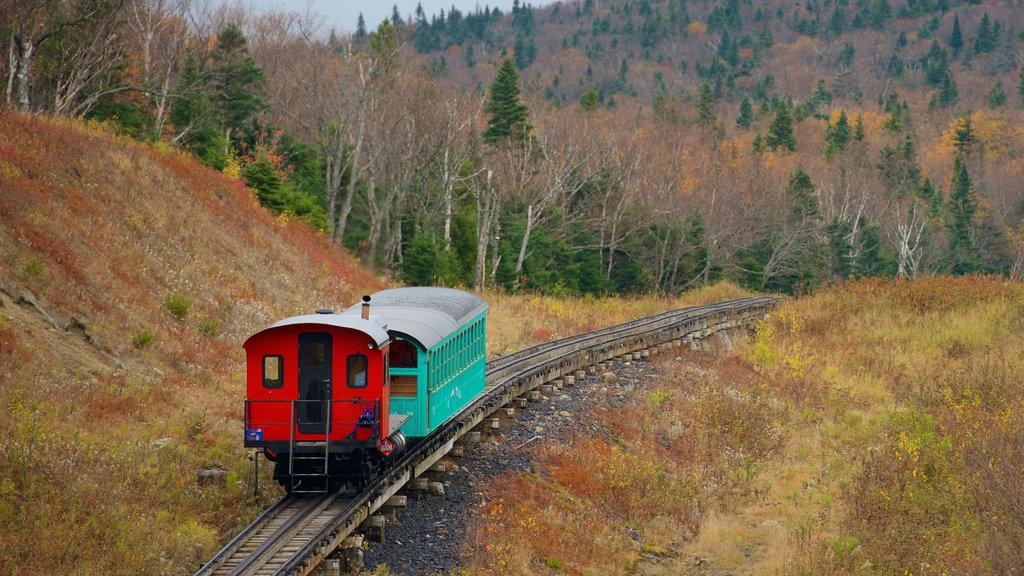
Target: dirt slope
{"x": 129, "y": 277}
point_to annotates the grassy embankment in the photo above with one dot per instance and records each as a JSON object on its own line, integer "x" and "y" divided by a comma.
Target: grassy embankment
{"x": 153, "y": 270}
{"x": 874, "y": 428}
{"x": 149, "y": 272}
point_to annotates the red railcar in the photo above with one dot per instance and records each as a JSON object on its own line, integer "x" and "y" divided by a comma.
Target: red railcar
{"x": 317, "y": 401}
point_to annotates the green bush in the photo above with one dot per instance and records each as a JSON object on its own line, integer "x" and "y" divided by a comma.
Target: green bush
{"x": 143, "y": 339}
{"x": 178, "y": 305}
{"x": 209, "y": 327}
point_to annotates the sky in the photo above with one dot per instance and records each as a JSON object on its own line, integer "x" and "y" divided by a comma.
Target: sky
{"x": 342, "y": 14}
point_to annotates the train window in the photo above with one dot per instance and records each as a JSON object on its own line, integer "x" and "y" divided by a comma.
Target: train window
{"x": 356, "y": 369}
{"x": 273, "y": 371}
{"x": 404, "y": 354}
{"x": 315, "y": 352}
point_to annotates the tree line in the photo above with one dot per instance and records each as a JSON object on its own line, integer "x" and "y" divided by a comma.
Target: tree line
{"x": 500, "y": 186}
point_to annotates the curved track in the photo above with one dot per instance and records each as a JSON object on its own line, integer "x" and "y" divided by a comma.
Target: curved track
{"x": 295, "y": 534}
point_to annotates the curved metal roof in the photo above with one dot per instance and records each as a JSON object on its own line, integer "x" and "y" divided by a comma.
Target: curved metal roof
{"x": 424, "y": 314}
{"x": 370, "y": 327}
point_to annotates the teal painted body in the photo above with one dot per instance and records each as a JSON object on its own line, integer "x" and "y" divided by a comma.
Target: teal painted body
{"x": 448, "y": 377}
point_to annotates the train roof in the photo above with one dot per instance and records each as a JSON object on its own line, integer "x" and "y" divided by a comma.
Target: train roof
{"x": 424, "y": 314}
{"x": 371, "y": 327}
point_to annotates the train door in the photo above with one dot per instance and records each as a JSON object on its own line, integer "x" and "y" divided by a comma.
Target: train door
{"x": 405, "y": 385}
{"x": 314, "y": 402}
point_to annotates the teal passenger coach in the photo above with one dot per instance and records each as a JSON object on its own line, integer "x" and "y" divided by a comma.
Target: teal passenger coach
{"x": 437, "y": 354}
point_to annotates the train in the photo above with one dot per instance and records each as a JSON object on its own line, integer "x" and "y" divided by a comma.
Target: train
{"x": 333, "y": 398}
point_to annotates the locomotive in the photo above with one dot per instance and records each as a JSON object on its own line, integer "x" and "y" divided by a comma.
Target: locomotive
{"x": 333, "y": 398}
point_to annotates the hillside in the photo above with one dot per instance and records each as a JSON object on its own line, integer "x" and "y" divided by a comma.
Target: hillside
{"x": 129, "y": 277}
{"x": 655, "y": 54}
{"x": 873, "y": 428}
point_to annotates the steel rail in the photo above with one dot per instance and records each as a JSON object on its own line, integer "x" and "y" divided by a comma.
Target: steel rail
{"x": 507, "y": 377}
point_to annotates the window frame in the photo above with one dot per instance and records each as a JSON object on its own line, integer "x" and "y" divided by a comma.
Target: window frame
{"x": 277, "y": 382}
{"x": 349, "y": 373}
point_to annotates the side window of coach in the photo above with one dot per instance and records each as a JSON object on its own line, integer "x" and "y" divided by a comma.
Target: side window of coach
{"x": 273, "y": 371}
{"x": 355, "y": 371}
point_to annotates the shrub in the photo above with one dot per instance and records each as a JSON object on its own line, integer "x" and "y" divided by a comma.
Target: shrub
{"x": 143, "y": 339}
{"x": 209, "y": 327}
{"x": 178, "y": 305}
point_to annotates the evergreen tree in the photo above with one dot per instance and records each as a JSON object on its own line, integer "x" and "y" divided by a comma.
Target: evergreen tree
{"x": 956, "y": 38}
{"x": 509, "y": 115}
{"x": 936, "y": 65}
{"x": 963, "y": 139}
{"x": 746, "y": 117}
{"x": 858, "y": 129}
{"x": 706, "y": 106}
{"x": 839, "y": 135}
{"x": 589, "y": 100}
{"x": 821, "y": 94}
{"x": 996, "y": 97}
{"x": 879, "y": 13}
{"x": 780, "y": 132}
{"x": 963, "y": 207}
{"x": 837, "y": 23}
{"x": 360, "y": 27}
{"x": 947, "y": 95}
{"x": 985, "y": 37}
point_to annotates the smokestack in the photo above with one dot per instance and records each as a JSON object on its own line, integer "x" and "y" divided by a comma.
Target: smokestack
{"x": 366, "y": 308}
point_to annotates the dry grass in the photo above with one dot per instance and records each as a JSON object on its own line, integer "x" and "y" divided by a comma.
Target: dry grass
{"x": 875, "y": 428}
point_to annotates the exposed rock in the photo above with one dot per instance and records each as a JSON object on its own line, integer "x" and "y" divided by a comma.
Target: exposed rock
{"x": 211, "y": 477}
{"x": 609, "y": 377}
{"x": 27, "y": 300}
{"x": 435, "y": 488}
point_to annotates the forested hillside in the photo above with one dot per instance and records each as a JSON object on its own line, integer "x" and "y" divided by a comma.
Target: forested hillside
{"x": 581, "y": 147}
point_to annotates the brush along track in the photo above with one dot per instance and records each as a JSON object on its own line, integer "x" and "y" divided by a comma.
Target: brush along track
{"x": 294, "y": 535}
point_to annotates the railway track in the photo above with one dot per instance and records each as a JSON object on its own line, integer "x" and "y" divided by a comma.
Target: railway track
{"x": 295, "y": 534}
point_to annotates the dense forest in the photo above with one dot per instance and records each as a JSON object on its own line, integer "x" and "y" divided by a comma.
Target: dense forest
{"x": 589, "y": 146}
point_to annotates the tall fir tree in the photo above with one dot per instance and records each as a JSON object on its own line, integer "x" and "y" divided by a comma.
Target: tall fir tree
{"x": 986, "y": 35}
{"x": 509, "y": 119}
{"x": 838, "y": 135}
{"x": 780, "y": 132}
{"x": 956, "y": 38}
{"x": 963, "y": 207}
{"x": 996, "y": 96}
{"x": 706, "y": 106}
{"x": 746, "y": 117}
{"x": 963, "y": 138}
{"x": 360, "y": 27}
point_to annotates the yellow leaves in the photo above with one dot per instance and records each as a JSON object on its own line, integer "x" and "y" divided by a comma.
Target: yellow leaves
{"x": 233, "y": 167}
{"x": 697, "y": 28}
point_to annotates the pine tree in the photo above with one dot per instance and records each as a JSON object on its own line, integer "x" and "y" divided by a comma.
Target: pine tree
{"x": 936, "y": 65}
{"x": 706, "y": 106}
{"x": 509, "y": 119}
{"x": 746, "y": 117}
{"x": 963, "y": 206}
{"x": 956, "y": 38}
{"x": 360, "y": 27}
{"x": 780, "y": 132}
{"x": 996, "y": 97}
{"x": 947, "y": 95}
{"x": 858, "y": 129}
{"x": 985, "y": 37}
{"x": 963, "y": 139}
{"x": 838, "y": 136}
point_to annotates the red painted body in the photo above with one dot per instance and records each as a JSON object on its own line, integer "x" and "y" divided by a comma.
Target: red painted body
{"x": 271, "y": 410}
